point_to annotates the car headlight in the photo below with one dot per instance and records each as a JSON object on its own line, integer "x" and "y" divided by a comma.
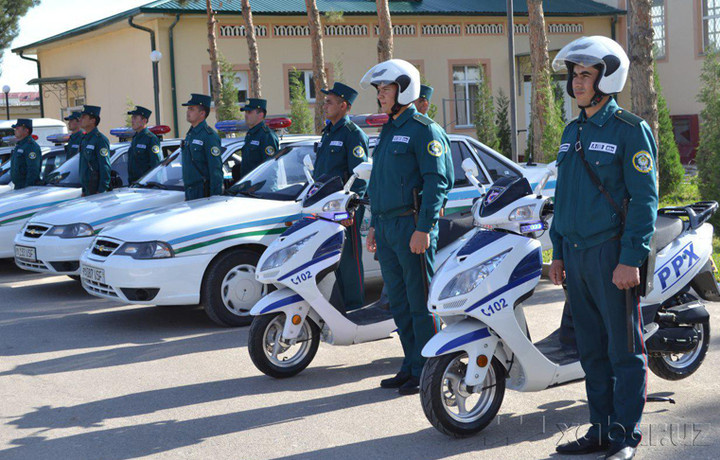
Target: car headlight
{"x": 332, "y": 206}
{"x": 146, "y": 250}
{"x": 281, "y": 256}
{"x": 521, "y": 213}
{"x": 471, "y": 278}
{"x": 72, "y": 231}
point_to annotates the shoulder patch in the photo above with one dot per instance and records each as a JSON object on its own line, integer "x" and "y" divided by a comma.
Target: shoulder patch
{"x": 104, "y": 152}
{"x": 642, "y": 161}
{"x": 359, "y": 151}
{"x": 435, "y": 148}
{"x": 427, "y": 121}
{"x": 215, "y": 151}
{"x": 156, "y": 149}
{"x": 270, "y": 150}
{"x": 628, "y": 117}
{"x": 32, "y": 155}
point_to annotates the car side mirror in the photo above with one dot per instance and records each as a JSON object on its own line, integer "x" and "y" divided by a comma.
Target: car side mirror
{"x": 115, "y": 180}
{"x": 308, "y": 168}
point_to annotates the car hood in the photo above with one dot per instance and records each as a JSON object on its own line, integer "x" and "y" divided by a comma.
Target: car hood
{"x": 21, "y": 204}
{"x": 104, "y": 208}
{"x": 195, "y": 221}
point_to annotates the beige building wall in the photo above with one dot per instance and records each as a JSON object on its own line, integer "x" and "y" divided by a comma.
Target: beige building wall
{"x": 115, "y": 61}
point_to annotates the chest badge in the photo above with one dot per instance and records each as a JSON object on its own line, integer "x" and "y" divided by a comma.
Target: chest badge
{"x": 359, "y": 151}
{"x": 435, "y": 148}
{"x": 642, "y": 161}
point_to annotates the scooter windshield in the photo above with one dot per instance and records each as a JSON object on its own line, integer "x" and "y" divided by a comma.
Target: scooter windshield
{"x": 504, "y": 191}
{"x": 321, "y": 189}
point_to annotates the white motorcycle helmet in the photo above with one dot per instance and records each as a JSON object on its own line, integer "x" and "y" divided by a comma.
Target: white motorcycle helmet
{"x": 595, "y": 51}
{"x": 397, "y": 71}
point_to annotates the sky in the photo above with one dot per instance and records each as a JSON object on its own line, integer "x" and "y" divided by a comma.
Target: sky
{"x": 50, "y": 18}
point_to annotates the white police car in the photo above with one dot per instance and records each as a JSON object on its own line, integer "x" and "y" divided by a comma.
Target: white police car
{"x": 63, "y": 184}
{"x": 56, "y": 238}
{"x": 205, "y": 251}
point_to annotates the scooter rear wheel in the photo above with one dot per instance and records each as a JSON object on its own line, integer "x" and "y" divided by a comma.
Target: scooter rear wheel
{"x": 670, "y": 366}
{"x": 276, "y": 357}
{"x": 446, "y": 399}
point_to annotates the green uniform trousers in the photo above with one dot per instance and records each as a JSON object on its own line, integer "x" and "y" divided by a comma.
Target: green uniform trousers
{"x": 615, "y": 378}
{"x": 403, "y": 277}
{"x": 350, "y": 276}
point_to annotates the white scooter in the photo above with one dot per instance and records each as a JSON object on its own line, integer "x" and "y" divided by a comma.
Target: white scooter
{"x": 485, "y": 345}
{"x": 290, "y": 322}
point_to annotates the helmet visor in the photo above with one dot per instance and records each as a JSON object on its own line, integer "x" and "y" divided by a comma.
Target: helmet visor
{"x": 584, "y": 60}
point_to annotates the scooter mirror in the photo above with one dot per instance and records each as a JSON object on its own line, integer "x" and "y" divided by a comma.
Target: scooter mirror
{"x": 308, "y": 167}
{"x": 470, "y": 167}
{"x": 363, "y": 171}
{"x": 552, "y": 167}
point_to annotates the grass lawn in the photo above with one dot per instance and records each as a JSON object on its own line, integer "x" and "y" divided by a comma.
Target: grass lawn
{"x": 687, "y": 194}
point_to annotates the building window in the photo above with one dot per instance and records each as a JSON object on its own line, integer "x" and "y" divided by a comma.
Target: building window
{"x": 657, "y": 15}
{"x": 241, "y": 84}
{"x": 306, "y": 80}
{"x": 711, "y": 23}
{"x": 466, "y": 81}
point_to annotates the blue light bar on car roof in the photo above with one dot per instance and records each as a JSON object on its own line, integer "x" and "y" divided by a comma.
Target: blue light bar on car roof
{"x": 58, "y": 138}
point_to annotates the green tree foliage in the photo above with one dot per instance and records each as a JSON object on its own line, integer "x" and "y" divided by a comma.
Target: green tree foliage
{"x": 708, "y": 152}
{"x": 228, "y": 108}
{"x": 129, "y": 105}
{"x": 503, "y": 124}
{"x": 559, "y": 91}
{"x": 485, "y": 114}
{"x": 10, "y": 13}
{"x": 554, "y": 127}
{"x": 669, "y": 166}
{"x": 302, "y": 118}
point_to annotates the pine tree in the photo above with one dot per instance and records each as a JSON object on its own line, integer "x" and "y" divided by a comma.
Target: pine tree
{"x": 485, "y": 113}
{"x": 559, "y": 91}
{"x": 708, "y": 152}
{"x": 302, "y": 119}
{"x": 669, "y": 166}
{"x": 228, "y": 108}
{"x": 503, "y": 124}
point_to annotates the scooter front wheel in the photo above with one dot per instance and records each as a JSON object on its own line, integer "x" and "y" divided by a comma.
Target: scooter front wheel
{"x": 451, "y": 406}
{"x": 277, "y": 357}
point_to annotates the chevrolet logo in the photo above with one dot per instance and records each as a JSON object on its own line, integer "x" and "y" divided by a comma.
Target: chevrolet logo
{"x": 32, "y": 231}
{"x": 102, "y": 248}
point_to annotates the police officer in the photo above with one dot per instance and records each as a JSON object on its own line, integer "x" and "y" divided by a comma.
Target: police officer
{"x": 423, "y": 102}
{"x": 201, "y": 152}
{"x": 26, "y": 158}
{"x": 411, "y": 163}
{"x": 144, "y": 153}
{"x": 73, "y": 144}
{"x": 261, "y": 142}
{"x": 591, "y": 248}
{"x": 344, "y": 146}
{"x": 94, "y": 153}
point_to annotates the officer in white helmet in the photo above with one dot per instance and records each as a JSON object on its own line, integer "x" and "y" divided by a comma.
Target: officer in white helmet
{"x": 605, "y": 208}
{"x": 412, "y": 174}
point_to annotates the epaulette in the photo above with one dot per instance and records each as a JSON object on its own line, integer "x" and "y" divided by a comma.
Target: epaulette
{"x": 424, "y": 119}
{"x": 209, "y": 129}
{"x": 352, "y": 127}
{"x": 628, "y": 117}
{"x": 571, "y": 122}
{"x": 265, "y": 128}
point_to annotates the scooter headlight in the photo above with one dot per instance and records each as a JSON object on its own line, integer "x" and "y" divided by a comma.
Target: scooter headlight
{"x": 471, "y": 278}
{"x": 72, "y": 231}
{"x": 332, "y": 206}
{"x": 521, "y": 213}
{"x": 281, "y": 256}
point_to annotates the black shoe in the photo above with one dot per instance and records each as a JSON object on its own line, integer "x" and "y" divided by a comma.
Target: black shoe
{"x": 411, "y": 387}
{"x": 397, "y": 381}
{"x": 620, "y": 452}
{"x": 584, "y": 445}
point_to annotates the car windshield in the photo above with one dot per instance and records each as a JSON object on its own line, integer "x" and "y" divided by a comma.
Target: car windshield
{"x": 282, "y": 178}
{"x": 166, "y": 175}
{"x": 67, "y": 174}
{"x": 5, "y": 174}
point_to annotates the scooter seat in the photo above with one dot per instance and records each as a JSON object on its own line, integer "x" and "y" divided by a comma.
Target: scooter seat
{"x": 666, "y": 230}
{"x": 453, "y": 227}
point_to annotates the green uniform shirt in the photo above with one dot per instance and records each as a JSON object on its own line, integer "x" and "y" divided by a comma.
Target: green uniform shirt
{"x": 261, "y": 143}
{"x": 73, "y": 145}
{"x": 621, "y": 150}
{"x": 413, "y": 152}
{"x": 342, "y": 147}
{"x": 95, "y": 163}
{"x": 26, "y": 163}
{"x": 202, "y": 161}
{"x": 143, "y": 155}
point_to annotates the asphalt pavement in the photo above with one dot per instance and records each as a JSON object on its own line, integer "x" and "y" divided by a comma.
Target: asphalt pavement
{"x": 85, "y": 378}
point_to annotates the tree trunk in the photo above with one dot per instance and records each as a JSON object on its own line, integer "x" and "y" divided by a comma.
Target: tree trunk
{"x": 385, "y": 37}
{"x": 540, "y": 70}
{"x": 318, "y": 57}
{"x": 255, "y": 84}
{"x": 212, "y": 51}
{"x": 640, "y": 46}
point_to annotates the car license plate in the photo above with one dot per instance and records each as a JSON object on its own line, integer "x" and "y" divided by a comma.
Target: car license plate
{"x": 94, "y": 274}
{"x": 25, "y": 253}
